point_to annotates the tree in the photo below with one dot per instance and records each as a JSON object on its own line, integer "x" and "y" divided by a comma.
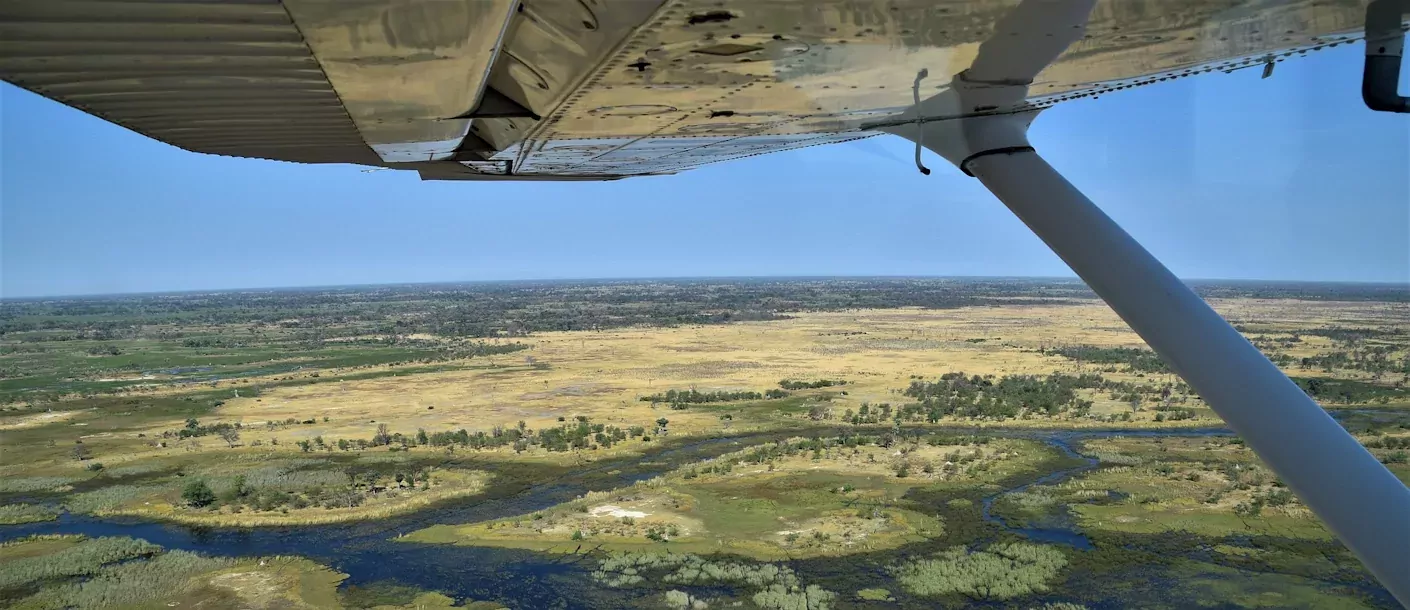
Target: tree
{"x": 198, "y": 494}
{"x": 1315, "y": 386}
{"x": 422, "y": 439}
{"x": 383, "y": 436}
{"x": 230, "y": 436}
{"x": 80, "y": 451}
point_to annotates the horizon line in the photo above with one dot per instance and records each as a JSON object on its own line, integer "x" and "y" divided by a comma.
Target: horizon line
{"x": 586, "y": 280}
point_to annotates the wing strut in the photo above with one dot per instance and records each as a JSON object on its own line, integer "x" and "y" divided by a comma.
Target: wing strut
{"x": 1352, "y": 492}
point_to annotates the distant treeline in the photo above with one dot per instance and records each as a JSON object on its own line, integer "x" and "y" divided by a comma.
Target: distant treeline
{"x": 513, "y": 308}
{"x": 1355, "y": 335}
{"x": 789, "y": 384}
{"x": 1372, "y": 359}
{"x": 1140, "y": 360}
{"x": 581, "y": 433}
{"x": 681, "y": 399}
{"x": 510, "y": 308}
{"x": 1347, "y": 391}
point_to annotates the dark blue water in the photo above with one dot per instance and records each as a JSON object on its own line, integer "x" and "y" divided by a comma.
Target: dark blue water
{"x": 366, "y": 552}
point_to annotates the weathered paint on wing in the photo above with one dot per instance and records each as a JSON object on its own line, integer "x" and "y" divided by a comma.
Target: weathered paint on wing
{"x": 592, "y": 88}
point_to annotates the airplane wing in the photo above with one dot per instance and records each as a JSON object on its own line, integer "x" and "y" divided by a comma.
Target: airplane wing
{"x": 586, "y": 89}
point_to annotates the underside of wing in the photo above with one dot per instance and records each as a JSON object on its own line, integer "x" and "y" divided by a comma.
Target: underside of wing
{"x": 586, "y": 89}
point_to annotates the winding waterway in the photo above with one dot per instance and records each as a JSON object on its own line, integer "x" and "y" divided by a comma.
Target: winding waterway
{"x": 367, "y": 554}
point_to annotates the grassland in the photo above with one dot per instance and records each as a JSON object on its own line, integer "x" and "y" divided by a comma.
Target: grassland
{"x": 335, "y": 406}
{"x": 791, "y": 499}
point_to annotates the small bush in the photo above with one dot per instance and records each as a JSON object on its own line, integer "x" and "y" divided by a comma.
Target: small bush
{"x": 198, "y": 494}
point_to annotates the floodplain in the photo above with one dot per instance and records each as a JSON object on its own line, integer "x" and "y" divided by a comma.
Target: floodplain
{"x": 849, "y": 443}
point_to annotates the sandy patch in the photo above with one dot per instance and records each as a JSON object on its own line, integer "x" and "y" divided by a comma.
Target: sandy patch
{"x": 616, "y": 511}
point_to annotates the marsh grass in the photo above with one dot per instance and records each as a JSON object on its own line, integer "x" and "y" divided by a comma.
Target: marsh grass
{"x": 37, "y": 544}
{"x": 33, "y": 484}
{"x": 54, "y": 572}
{"x": 130, "y": 584}
{"x": 85, "y": 558}
{"x": 105, "y": 500}
{"x": 1112, "y": 457}
{"x": 776, "y": 586}
{"x": 12, "y": 514}
{"x": 135, "y": 470}
{"x": 1002, "y": 571}
{"x": 874, "y": 595}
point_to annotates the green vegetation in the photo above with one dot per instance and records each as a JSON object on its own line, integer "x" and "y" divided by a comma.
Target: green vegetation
{"x": 1008, "y": 397}
{"x": 1258, "y": 589}
{"x": 254, "y": 491}
{"x": 1349, "y": 391}
{"x": 682, "y": 399}
{"x": 1002, "y": 571}
{"x": 810, "y": 385}
{"x": 83, "y": 346}
{"x": 775, "y": 586}
{"x": 197, "y": 494}
{"x": 107, "y": 498}
{"x": 84, "y": 558}
{"x": 52, "y": 572}
{"x": 32, "y": 484}
{"x": 47, "y": 364}
{"x": 1139, "y": 360}
{"x": 214, "y": 410}
{"x": 389, "y": 595}
{"x": 875, "y": 595}
{"x": 11, "y": 514}
{"x": 798, "y": 497}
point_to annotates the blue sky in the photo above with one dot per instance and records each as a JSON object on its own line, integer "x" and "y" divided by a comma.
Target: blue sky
{"x": 1221, "y": 176}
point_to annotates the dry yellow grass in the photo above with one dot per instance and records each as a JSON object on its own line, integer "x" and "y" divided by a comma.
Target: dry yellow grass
{"x": 602, "y": 374}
